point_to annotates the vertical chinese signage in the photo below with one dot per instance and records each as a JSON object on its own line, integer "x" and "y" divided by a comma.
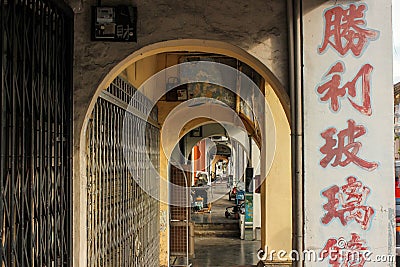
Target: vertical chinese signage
{"x": 348, "y": 132}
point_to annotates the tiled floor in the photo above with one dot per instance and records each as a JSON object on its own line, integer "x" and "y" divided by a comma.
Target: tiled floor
{"x": 229, "y": 252}
{"x": 215, "y": 251}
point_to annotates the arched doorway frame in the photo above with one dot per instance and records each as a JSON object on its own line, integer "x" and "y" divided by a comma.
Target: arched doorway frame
{"x": 277, "y": 228}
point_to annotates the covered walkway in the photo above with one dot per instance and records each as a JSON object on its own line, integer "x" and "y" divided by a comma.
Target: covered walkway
{"x": 211, "y": 250}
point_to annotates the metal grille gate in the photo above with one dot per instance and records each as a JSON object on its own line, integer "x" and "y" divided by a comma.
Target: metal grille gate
{"x": 179, "y": 217}
{"x": 123, "y": 220}
{"x": 35, "y": 103}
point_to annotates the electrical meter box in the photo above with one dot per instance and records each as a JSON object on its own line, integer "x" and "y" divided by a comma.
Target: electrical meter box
{"x": 116, "y": 24}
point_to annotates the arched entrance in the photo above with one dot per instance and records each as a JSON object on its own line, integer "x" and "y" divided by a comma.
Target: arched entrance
{"x": 222, "y": 198}
{"x": 276, "y": 190}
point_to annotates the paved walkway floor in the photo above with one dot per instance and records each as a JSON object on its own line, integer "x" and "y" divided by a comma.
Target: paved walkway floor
{"x": 222, "y": 251}
{"x": 229, "y": 252}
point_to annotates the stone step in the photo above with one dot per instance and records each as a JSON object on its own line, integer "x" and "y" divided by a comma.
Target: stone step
{"x": 217, "y": 233}
{"x": 216, "y": 226}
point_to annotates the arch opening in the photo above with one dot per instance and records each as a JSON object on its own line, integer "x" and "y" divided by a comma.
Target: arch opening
{"x": 220, "y": 194}
{"x": 137, "y": 68}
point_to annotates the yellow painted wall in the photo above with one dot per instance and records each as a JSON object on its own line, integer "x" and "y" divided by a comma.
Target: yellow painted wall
{"x": 276, "y": 199}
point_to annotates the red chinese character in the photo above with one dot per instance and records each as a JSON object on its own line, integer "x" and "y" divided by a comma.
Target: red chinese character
{"x": 336, "y": 150}
{"x": 345, "y": 29}
{"x": 348, "y": 203}
{"x": 342, "y": 253}
{"x": 333, "y": 91}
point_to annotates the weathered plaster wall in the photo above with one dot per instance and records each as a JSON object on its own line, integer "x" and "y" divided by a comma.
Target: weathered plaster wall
{"x": 258, "y": 27}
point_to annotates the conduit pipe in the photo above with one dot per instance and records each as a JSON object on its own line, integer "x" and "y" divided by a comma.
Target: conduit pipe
{"x": 296, "y": 101}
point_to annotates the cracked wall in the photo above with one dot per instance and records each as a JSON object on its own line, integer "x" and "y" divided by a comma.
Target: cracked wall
{"x": 259, "y": 27}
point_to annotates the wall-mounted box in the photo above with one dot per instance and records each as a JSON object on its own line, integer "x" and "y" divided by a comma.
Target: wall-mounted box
{"x": 117, "y": 24}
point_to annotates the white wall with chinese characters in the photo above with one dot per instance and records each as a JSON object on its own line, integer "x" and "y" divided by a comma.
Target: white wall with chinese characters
{"x": 348, "y": 132}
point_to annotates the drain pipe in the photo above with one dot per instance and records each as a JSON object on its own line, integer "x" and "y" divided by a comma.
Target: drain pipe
{"x": 296, "y": 101}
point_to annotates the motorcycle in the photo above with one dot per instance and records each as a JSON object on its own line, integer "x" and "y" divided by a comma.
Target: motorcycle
{"x": 234, "y": 211}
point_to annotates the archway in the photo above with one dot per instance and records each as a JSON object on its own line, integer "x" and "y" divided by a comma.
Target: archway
{"x": 223, "y": 200}
{"x": 276, "y": 230}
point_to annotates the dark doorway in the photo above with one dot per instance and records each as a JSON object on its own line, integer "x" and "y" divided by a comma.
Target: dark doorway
{"x": 36, "y": 127}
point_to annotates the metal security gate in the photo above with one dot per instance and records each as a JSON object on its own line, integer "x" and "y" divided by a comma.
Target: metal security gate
{"x": 36, "y": 124}
{"x": 123, "y": 220}
{"x": 179, "y": 217}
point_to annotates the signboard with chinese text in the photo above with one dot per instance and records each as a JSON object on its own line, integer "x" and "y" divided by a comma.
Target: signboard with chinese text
{"x": 117, "y": 24}
{"x": 348, "y": 131}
